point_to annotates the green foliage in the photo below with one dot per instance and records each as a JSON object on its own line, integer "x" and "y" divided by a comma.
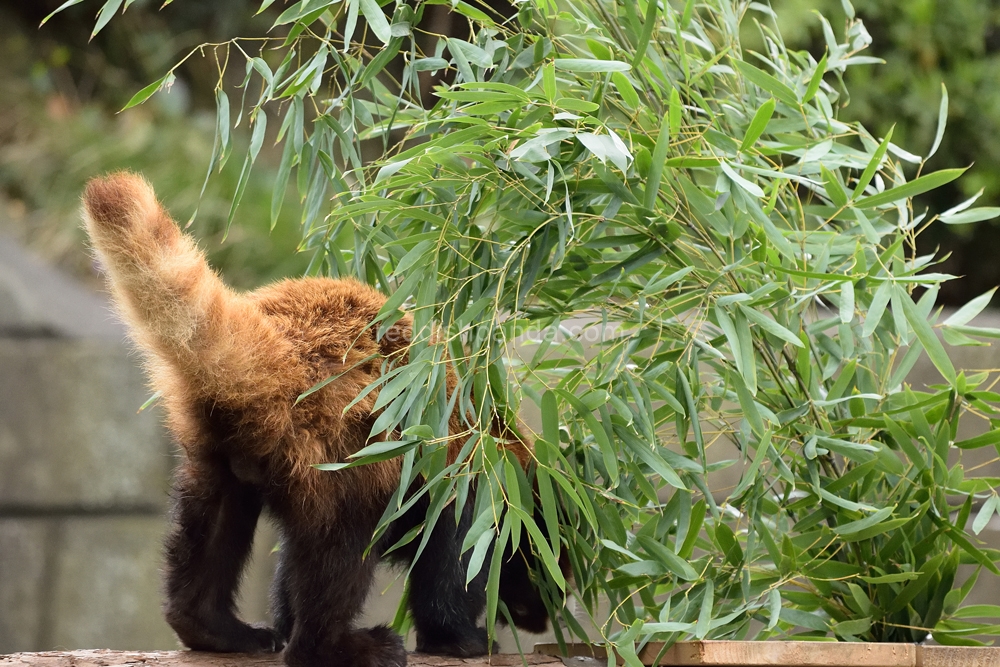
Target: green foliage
{"x": 44, "y": 169}
{"x": 925, "y": 44}
{"x": 58, "y": 128}
{"x": 688, "y": 248}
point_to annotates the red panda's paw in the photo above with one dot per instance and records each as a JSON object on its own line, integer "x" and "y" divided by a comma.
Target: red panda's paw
{"x": 386, "y": 648}
{"x": 222, "y": 633}
{"x": 264, "y": 639}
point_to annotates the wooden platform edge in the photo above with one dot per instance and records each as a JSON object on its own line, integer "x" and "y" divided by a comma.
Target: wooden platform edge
{"x": 795, "y": 654}
{"x": 109, "y": 658}
{"x": 682, "y": 654}
{"x": 955, "y": 656}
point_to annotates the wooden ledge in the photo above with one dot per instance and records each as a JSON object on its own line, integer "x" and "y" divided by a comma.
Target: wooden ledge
{"x": 682, "y": 654}
{"x": 796, "y": 654}
{"x": 105, "y": 658}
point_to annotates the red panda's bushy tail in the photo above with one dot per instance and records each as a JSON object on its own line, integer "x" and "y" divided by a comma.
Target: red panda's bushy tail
{"x": 177, "y": 308}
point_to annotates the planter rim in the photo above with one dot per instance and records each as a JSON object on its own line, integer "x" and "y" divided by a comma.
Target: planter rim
{"x": 719, "y": 653}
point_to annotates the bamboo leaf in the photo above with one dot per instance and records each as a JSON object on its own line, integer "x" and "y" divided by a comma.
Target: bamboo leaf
{"x": 925, "y": 334}
{"x": 752, "y": 188}
{"x": 815, "y": 81}
{"x": 915, "y": 187}
{"x": 804, "y": 619}
{"x": 542, "y": 547}
{"x": 774, "y": 608}
{"x": 873, "y": 165}
{"x": 879, "y": 301}
{"x": 750, "y": 474}
{"x": 846, "y": 302}
{"x": 107, "y": 11}
{"x": 256, "y": 141}
{"x": 648, "y": 24}
{"x": 847, "y": 530}
{"x": 596, "y": 429}
{"x": 586, "y": 65}
{"x": 748, "y": 361}
{"x": 852, "y": 628}
{"x": 693, "y": 162}
{"x": 895, "y": 578}
{"x": 302, "y": 10}
{"x": 164, "y": 82}
{"x": 624, "y": 87}
{"x": 65, "y": 5}
{"x": 767, "y": 82}
{"x": 747, "y": 404}
{"x": 915, "y": 587}
{"x": 264, "y": 5}
{"x": 376, "y": 20}
{"x": 757, "y": 124}
{"x": 833, "y": 188}
{"x": 942, "y": 122}
{"x": 984, "y": 514}
{"x": 668, "y": 559}
{"x": 770, "y": 325}
{"x": 658, "y": 161}
{"x": 971, "y": 215}
{"x": 703, "y": 625}
{"x": 651, "y": 458}
{"x": 990, "y": 438}
{"x": 674, "y": 112}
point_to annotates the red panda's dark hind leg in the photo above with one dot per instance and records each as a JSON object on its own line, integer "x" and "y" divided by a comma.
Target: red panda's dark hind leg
{"x": 445, "y": 610}
{"x": 214, "y": 518}
{"x": 281, "y": 597}
{"x": 322, "y": 585}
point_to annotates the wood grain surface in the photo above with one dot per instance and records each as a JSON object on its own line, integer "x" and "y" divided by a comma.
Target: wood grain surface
{"x": 682, "y": 654}
{"x": 105, "y": 658}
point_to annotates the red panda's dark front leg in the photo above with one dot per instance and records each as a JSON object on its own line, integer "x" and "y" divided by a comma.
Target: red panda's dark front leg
{"x": 214, "y": 516}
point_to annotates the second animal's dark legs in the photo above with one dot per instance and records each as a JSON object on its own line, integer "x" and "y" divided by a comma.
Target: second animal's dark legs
{"x": 215, "y": 516}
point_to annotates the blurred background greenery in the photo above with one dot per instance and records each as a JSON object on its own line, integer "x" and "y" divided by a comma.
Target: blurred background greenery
{"x": 59, "y": 94}
{"x": 59, "y": 126}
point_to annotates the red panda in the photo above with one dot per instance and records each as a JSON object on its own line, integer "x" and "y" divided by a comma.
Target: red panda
{"x": 229, "y": 367}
